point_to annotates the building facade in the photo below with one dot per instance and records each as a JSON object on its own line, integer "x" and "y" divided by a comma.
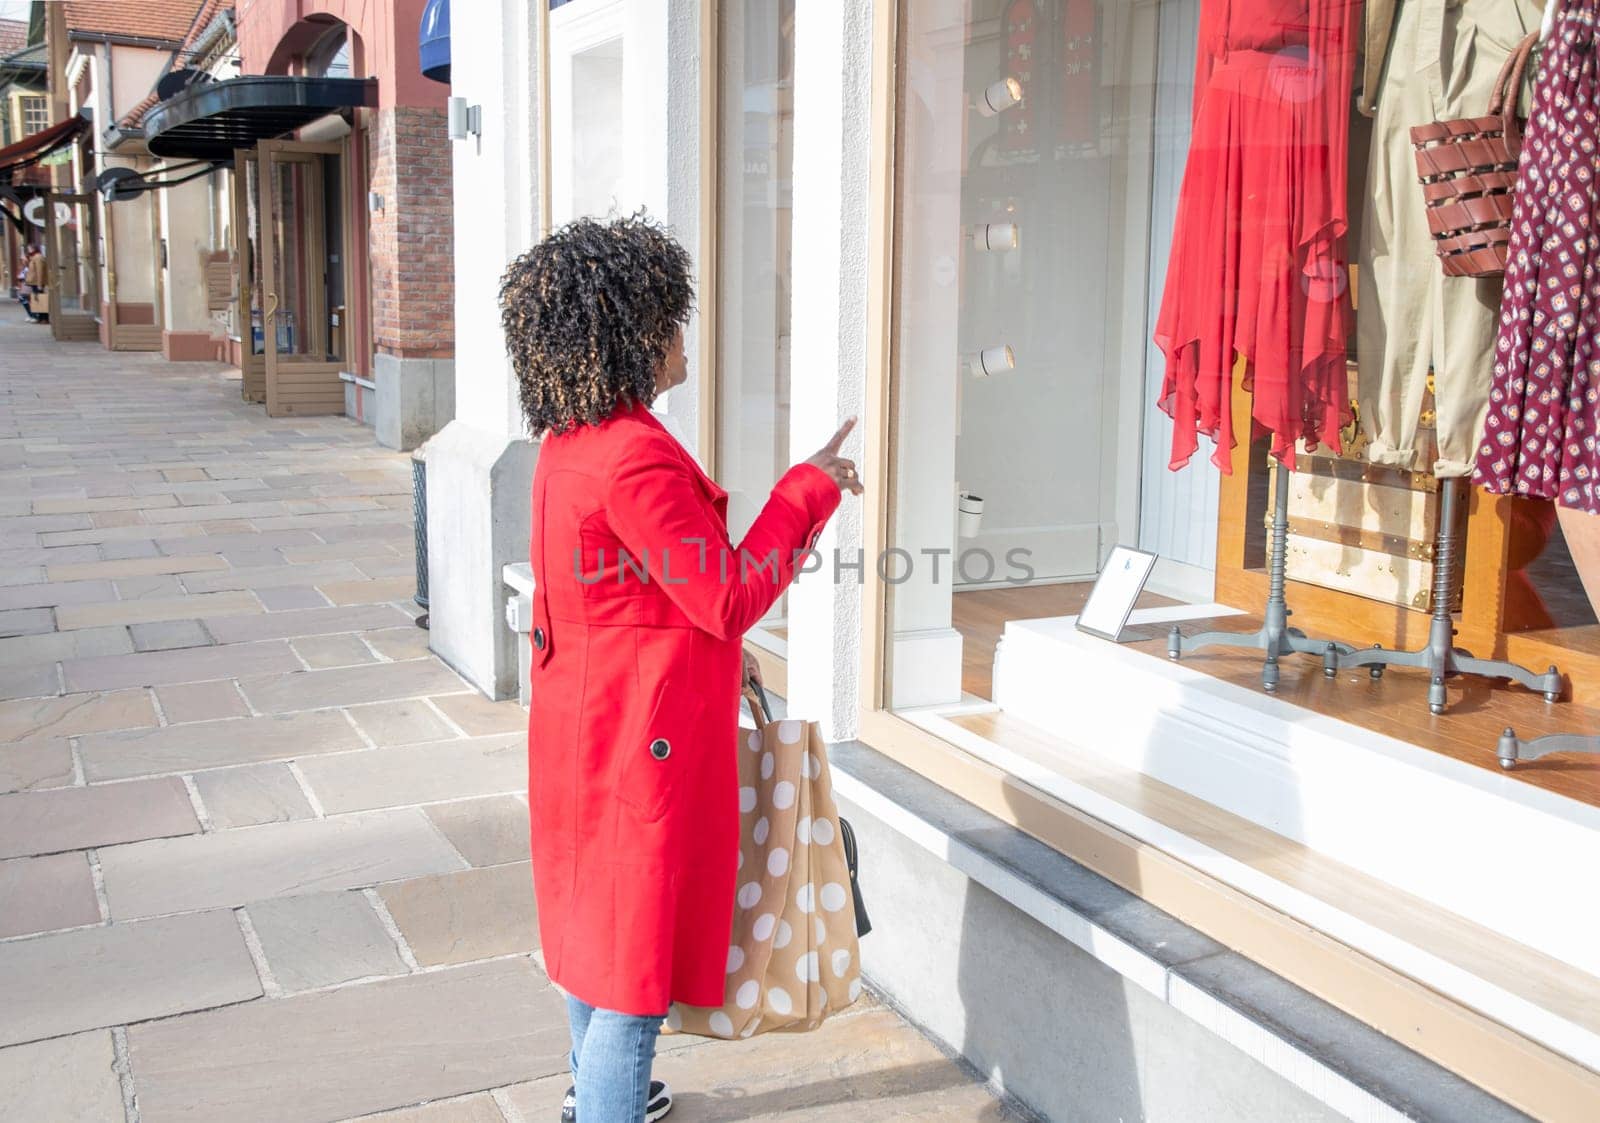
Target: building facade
{"x": 1123, "y": 886}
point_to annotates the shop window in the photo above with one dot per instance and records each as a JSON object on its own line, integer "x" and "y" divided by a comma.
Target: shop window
{"x": 1188, "y": 240}
{"x": 756, "y": 146}
{"x": 1024, "y": 241}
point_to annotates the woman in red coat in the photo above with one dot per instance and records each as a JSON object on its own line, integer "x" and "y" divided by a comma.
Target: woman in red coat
{"x": 639, "y": 604}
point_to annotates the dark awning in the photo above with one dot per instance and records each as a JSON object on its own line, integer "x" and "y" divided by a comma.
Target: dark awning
{"x": 433, "y": 41}
{"x": 208, "y": 121}
{"x": 32, "y": 149}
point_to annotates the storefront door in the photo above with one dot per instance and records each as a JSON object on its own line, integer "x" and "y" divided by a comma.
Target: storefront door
{"x": 302, "y": 301}
{"x": 73, "y": 269}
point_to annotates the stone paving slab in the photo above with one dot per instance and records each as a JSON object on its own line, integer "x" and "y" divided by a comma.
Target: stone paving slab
{"x": 364, "y": 591}
{"x": 478, "y": 716}
{"x": 63, "y": 1080}
{"x": 134, "y": 567}
{"x": 168, "y": 635}
{"x": 40, "y": 681}
{"x": 162, "y": 668}
{"x": 74, "y": 714}
{"x": 306, "y": 622}
{"x": 121, "y": 973}
{"x": 55, "y": 819}
{"x": 342, "y": 650}
{"x": 53, "y": 594}
{"x": 410, "y": 721}
{"x": 55, "y": 646}
{"x": 236, "y": 867}
{"x": 148, "y": 587}
{"x": 29, "y": 765}
{"x": 464, "y": 916}
{"x": 143, "y": 611}
{"x": 319, "y": 939}
{"x": 26, "y": 621}
{"x": 250, "y": 795}
{"x": 215, "y": 744}
{"x": 354, "y": 1050}
{"x": 398, "y": 643}
{"x": 486, "y": 832}
{"x": 200, "y": 701}
{"x": 397, "y": 777}
{"x": 109, "y": 503}
{"x": 477, "y": 1108}
{"x": 867, "y": 1066}
{"x": 43, "y": 894}
{"x": 284, "y": 597}
{"x": 310, "y": 690}
{"x": 270, "y": 576}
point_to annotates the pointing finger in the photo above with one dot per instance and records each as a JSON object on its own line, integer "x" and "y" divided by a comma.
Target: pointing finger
{"x": 837, "y": 442}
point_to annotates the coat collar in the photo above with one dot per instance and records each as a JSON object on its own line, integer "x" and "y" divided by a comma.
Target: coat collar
{"x": 715, "y": 493}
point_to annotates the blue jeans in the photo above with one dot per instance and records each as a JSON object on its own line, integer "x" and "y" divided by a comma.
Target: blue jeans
{"x": 611, "y": 1058}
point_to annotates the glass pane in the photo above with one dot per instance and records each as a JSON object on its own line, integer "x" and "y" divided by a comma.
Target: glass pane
{"x": 293, "y": 321}
{"x": 1022, "y": 256}
{"x": 757, "y": 146}
{"x": 252, "y": 251}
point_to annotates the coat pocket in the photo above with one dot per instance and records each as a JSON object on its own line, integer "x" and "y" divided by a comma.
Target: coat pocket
{"x": 648, "y": 764}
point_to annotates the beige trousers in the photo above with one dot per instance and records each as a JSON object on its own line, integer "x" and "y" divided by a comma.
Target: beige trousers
{"x": 1443, "y": 60}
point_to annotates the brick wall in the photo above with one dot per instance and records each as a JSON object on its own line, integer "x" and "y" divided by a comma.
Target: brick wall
{"x": 413, "y": 263}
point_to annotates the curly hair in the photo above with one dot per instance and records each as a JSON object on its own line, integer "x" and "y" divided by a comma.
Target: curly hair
{"x": 589, "y": 315}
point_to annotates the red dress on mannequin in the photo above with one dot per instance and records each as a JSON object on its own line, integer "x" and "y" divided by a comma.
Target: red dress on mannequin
{"x": 1259, "y": 267}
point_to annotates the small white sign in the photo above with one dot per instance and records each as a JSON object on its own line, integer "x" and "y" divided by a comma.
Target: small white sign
{"x": 1115, "y": 592}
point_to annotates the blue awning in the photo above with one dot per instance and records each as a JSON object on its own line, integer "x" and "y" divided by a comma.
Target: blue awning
{"x": 433, "y": 43}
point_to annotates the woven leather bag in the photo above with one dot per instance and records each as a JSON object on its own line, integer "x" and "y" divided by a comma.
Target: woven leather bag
{"x": 1468, "y": 169}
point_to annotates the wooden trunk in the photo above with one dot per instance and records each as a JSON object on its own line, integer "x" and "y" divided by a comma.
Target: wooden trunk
{"x": 1367, "y": 529}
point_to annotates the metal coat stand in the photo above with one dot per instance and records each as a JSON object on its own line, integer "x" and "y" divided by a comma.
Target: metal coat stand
{"x": 1275, "y": 638}
{"x": 1440, "y": 657}
{"x": 1512, "y": 749}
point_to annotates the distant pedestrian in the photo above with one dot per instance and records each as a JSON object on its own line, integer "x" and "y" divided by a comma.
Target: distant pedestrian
{"x": 35, "y": 279}
{"x": 640, "y": 603}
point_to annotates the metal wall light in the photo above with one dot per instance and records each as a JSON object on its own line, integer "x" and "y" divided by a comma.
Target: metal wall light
{"x": 463, "y": 120}
{"x": 995, "y": 237}
{"x": 1000, "y": 96}
{"x": 991, "y": 361}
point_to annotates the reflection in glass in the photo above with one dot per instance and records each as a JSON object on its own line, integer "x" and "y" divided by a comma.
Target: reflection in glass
{"x": 754, "y": 243}
{"x": 1019, "y": 360}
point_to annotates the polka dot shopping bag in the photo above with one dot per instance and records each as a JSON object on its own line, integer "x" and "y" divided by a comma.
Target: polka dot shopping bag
{"x": 794, "y": 956}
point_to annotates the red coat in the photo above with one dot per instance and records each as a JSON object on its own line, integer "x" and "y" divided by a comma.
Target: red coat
{"x": 632, "y": 776}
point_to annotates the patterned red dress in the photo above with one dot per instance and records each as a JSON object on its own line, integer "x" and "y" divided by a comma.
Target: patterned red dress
{"x": 1544, "y": 404}
{"x": 1259, "y": 267}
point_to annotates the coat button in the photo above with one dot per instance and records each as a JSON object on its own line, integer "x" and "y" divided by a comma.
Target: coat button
{"x": 538, "y": 638}
{"x": 660, "y": 749}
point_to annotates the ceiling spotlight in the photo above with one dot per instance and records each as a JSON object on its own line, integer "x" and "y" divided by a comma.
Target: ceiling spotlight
{"x": 995, "y": 237}
{"x": 1000, "y": 96}
{"x": 991, "y": 361}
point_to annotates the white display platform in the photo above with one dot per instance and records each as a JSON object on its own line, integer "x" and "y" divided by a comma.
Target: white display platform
{"x": 1514, "y": 858}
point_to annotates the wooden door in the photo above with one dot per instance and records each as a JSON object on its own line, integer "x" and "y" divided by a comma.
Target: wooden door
{"x": 303, "y": 358}
{"x": 74, "y": 270}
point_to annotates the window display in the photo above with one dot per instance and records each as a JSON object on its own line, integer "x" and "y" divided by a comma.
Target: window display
{"x": 1259, "y": 266}
{"x": 1443, "y": 64}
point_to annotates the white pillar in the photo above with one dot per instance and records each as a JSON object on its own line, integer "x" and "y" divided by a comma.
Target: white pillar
{"x": 480, "y": 466}
{"x": 832, "y": 166}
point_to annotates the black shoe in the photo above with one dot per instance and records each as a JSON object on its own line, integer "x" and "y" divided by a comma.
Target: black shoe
{"x": 660, "y": 1103}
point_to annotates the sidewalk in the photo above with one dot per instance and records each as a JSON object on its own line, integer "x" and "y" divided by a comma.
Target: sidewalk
{"x": 261, "y": 855}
